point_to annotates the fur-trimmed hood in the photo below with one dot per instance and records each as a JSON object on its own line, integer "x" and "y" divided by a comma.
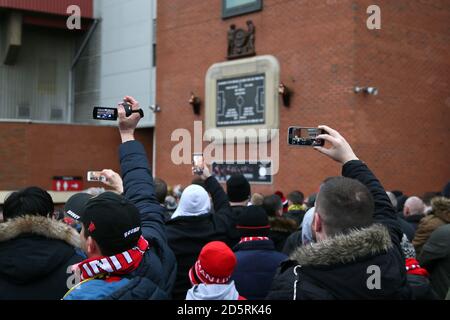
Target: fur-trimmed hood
{"x": 345, "y": 248}
{"x": 282, "y": 224}
{"x": 441, "y": 208}
{"x": 40, "y": 226}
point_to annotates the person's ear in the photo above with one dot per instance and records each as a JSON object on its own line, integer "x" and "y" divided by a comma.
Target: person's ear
{"x": 91, "y": 246}
{"x": 317, "y": 223}
{"x": 405, "y": 211}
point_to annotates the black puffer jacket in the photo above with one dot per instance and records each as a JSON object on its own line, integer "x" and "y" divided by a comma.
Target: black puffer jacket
{"x": 345, "y": 266}
{"x": 35, "y": 254}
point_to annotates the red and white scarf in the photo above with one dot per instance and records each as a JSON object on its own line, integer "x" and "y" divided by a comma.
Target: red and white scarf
{"x": 119, "y": 264}
{"x": 247, "y": 239}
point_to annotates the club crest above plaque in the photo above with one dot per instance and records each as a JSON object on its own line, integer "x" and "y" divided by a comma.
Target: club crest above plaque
{"x": 242, "y": 102}
{"x": 241, "y": 43}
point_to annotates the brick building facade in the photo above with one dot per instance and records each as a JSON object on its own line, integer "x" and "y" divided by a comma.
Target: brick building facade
{"x": 324, "y": 49}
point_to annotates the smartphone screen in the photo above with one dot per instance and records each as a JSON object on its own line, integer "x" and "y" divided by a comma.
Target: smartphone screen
{"x": 95, "y": 176}
{"x": 198, "y": 163}
{"x": 105, "y": 113}
{"x": 305, "y": 137}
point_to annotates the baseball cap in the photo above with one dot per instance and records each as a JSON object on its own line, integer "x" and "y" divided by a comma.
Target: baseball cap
{"x": 111, "y": 219}
{"x": 74, "y": 206}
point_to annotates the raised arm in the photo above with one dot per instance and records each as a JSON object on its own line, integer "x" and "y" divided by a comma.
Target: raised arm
{"x": 352, "y": 167}
{"x": 219, "y": 197}
{"x": 137, "y": 177}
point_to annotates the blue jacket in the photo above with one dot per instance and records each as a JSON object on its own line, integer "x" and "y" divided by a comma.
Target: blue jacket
{"x": 257, "y": 262}
{"x": 155, "y": 276}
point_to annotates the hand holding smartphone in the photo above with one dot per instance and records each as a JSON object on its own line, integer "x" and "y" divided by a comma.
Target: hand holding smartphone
{"x": 199, "y": 163}
{"x": 93, "y": 176}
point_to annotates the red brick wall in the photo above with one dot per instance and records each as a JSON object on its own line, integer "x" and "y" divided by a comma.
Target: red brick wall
{"x": 404, "y": 132}
{"x": 324, "y": 50}
{"x": 58, "y": 7}
{"x": 31, "y": 154}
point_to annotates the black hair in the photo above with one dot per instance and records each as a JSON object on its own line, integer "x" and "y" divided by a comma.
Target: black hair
{"x": 296, "y": 197}
{"x": 160, "y": 190}
{"x": 29, "y": 201}
{"x": 344, "y": 204}
{"x": 272, "y": 204}
{"x": 199, "y": 182}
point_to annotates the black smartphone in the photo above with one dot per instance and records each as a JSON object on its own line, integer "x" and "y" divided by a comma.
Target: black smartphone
{"x": 105, "y": 113}
{"x": 305, "y": 137}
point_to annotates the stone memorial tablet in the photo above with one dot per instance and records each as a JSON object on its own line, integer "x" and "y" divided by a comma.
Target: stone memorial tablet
{"x": 241, "y": 101}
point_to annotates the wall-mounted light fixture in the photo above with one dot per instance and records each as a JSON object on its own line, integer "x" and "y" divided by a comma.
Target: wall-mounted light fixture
{"x": 196, "y": 103}
{"x": 285, "y": 94}
{"x": 155, "y": 108}
{"x": 367, "y": 90}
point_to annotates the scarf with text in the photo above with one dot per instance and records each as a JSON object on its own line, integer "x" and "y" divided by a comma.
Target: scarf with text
{"x": 247, "y": 239}
{"x": 116, "y": 265}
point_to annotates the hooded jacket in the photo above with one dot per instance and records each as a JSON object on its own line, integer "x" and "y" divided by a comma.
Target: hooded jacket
{"x": 414, "y": 220}
{"x": 365, "y": 263}
{"x": 257, "y": 262}
{"x": 435, "y": 257}
{"x": 280, "y": 229}
{"x": 213, "y": 292}
{"x": 35, "y": 255}
{"x": 439, "y": 216}
{"x": 155, "y": 276}
{"x": 187, "y": 235}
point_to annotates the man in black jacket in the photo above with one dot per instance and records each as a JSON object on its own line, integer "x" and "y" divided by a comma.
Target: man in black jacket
{"x": 239, "y": 193}
{"x": 358, "y": 253}
{"x": 36, "y": 251}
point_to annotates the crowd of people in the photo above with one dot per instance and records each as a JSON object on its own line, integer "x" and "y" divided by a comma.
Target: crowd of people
{"x": 144, "y": 240}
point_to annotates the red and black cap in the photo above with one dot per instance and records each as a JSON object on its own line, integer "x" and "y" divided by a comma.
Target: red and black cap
{"x": 111, "y": 219}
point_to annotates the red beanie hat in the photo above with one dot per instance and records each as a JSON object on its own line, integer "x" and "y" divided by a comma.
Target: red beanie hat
{"x": 215, "y": 264}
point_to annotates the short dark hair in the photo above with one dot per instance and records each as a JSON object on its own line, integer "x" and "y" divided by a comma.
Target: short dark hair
{"x": 106, "y": 250}
{"x": 296, "y": 197}
{"x": 160, "y": 190}
{"x": 29, "y": 201}
{"x": 272, "y": 204}
{"x": 344, "y": 204}
{"x": 199, "y": 182}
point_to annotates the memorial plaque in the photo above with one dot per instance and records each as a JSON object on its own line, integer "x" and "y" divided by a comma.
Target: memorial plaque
{"x": 241, "y": 101}
{"x": 259, "y": 172}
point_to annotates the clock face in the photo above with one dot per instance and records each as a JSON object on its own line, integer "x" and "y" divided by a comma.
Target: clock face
{"x": 239, "y": 38}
